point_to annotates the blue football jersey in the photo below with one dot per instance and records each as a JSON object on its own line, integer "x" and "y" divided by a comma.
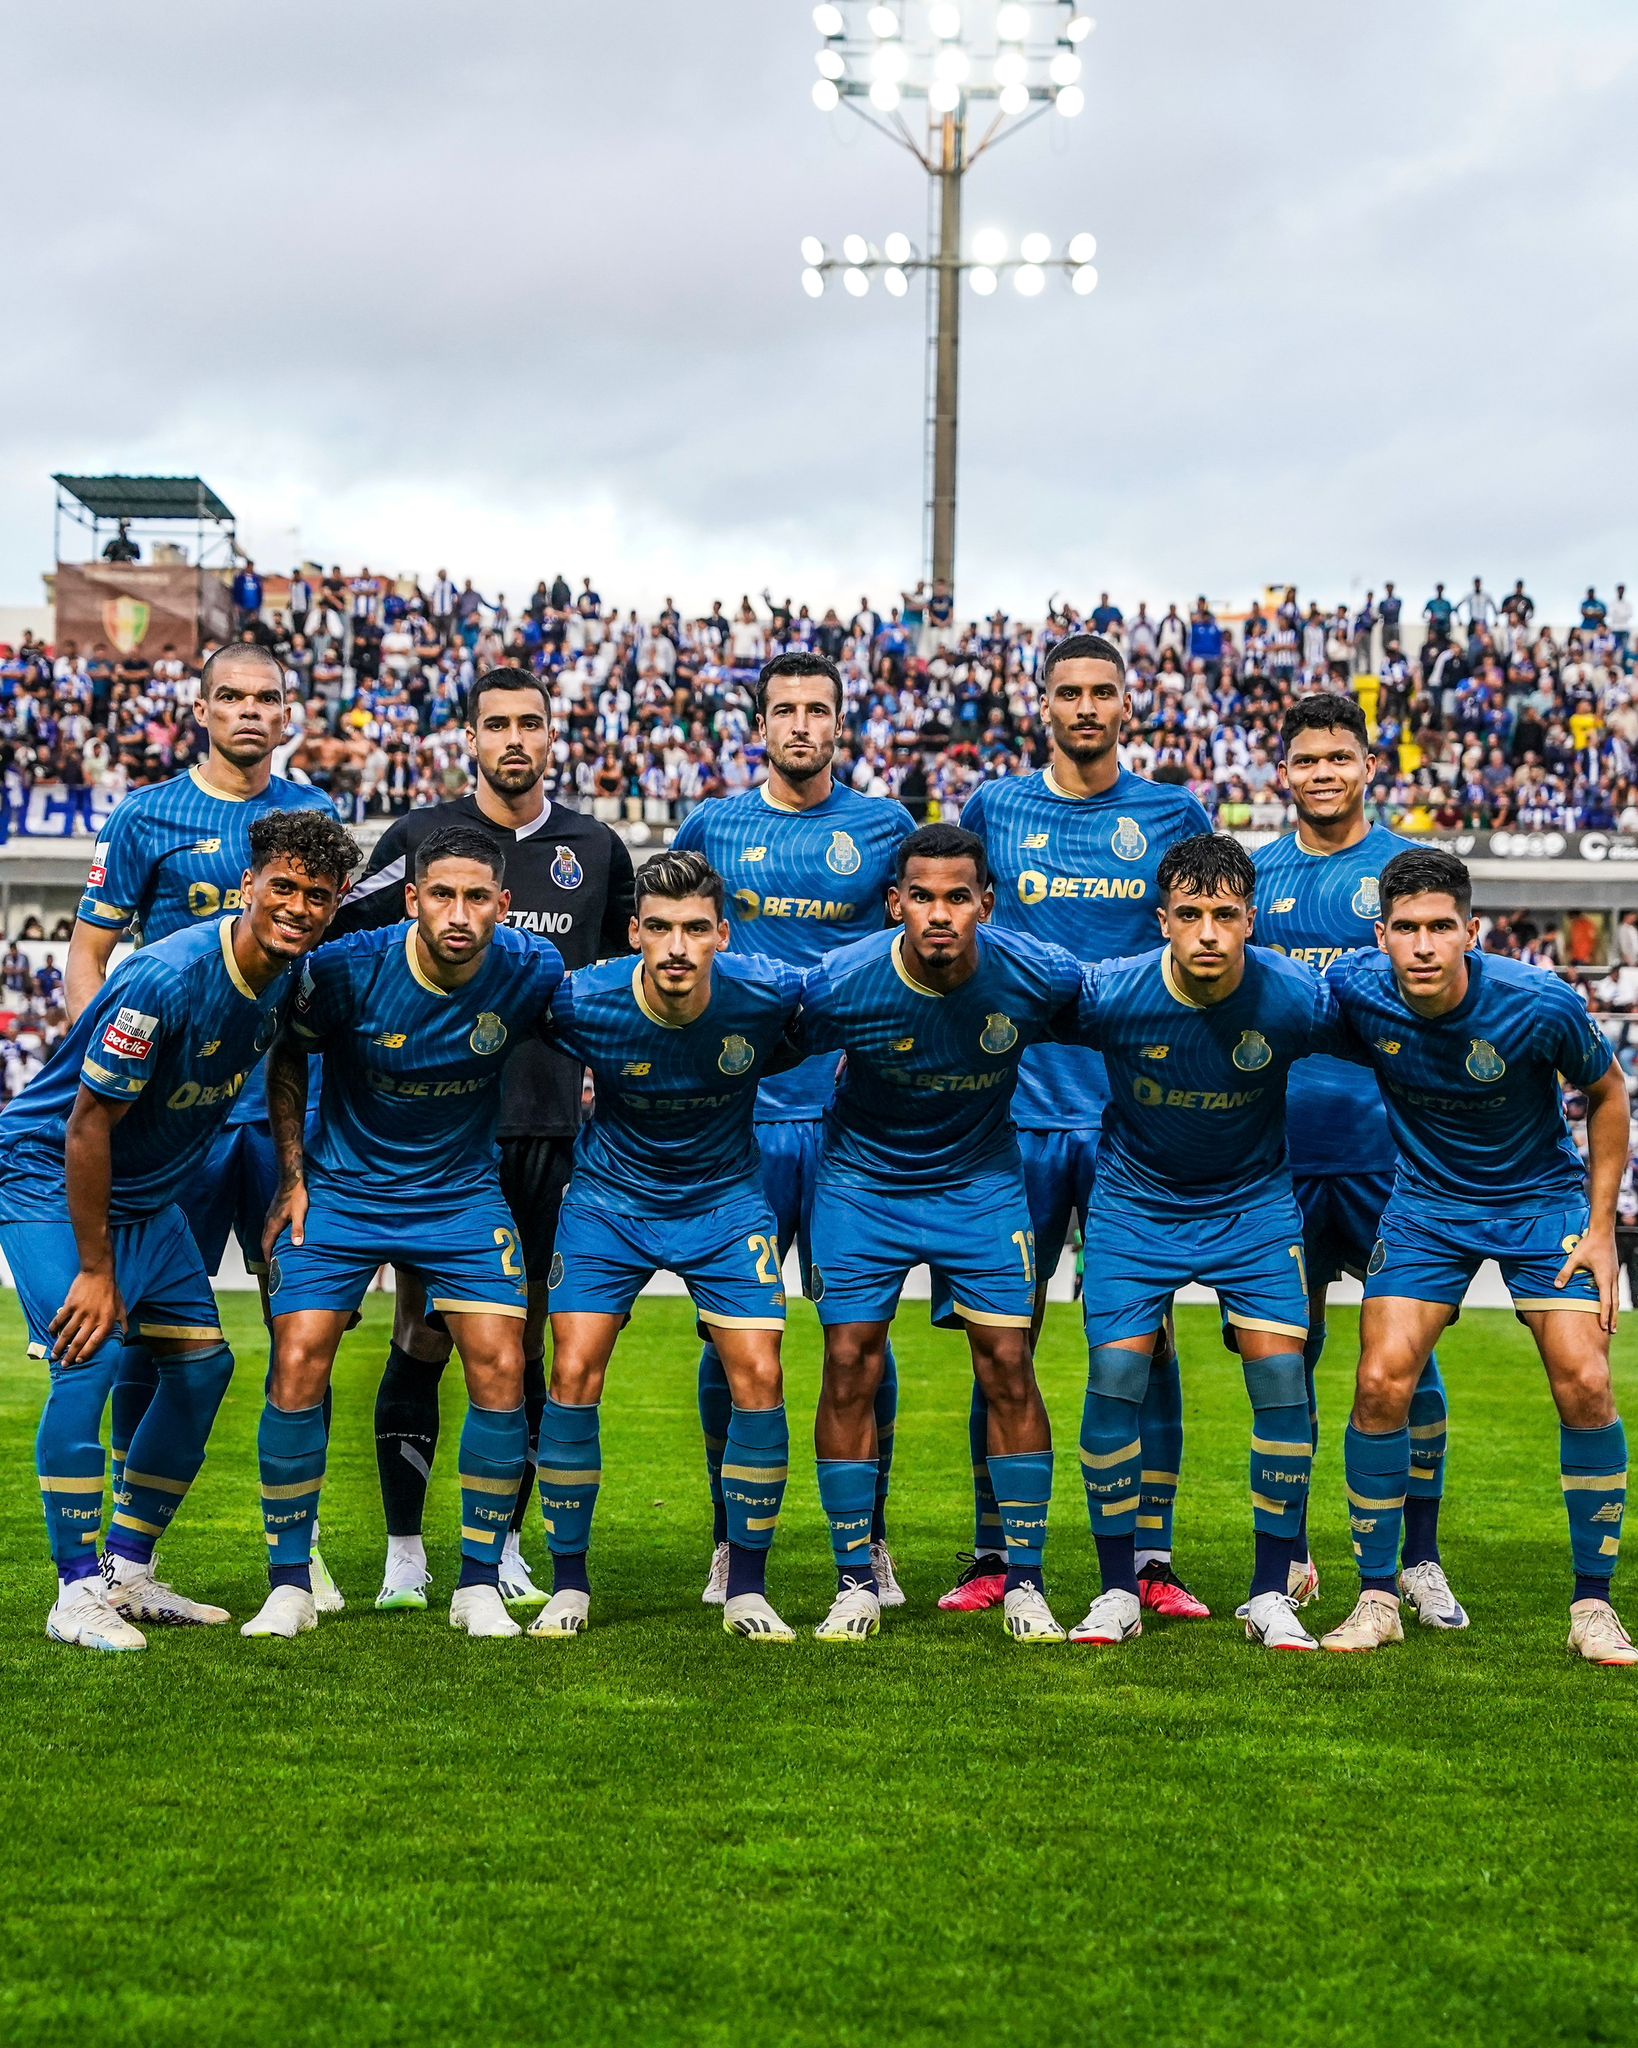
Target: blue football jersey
{"x": 175, "y": 853}
{"x": 799, "y": 883}
{"x": 671, "y": 1131}
{"x": 1472, "y": 1097}
{"x": 1316, "y": 907}
{"x": 1080, "y": 873}
{"x": 1195, "y": 1123}
{"x": 927, "y": 1088}
{"x": 412, "y": 1071}
{"x": 175, "y": 1030}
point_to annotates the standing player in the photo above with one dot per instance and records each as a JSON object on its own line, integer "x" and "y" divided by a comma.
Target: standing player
{"x": 94, "y": 1156}
{"x": 920, "y": 1165}
{"x": 1317, "y": 900}
{"x": 667, "y": 1177}
{"x": 1074, "y": 850}
{"x": 1468, "y": 1048}
{"x": 569, "y": 880}
{"x": 171, "y": 856}
{"x": 1192, "y": 1184}
{"x": 807, "y": 863}
{"x": 416, "y": 1023}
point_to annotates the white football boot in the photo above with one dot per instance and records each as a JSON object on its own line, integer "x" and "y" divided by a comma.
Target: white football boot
{"x": 888, "y": 1590}
{"x": 1374, "y": 1621}
{"x": 1428, "y": 1591}
{"x": 1271, "y": 1619}
{"x": 565, "y": 1614}
{"x": 749, "y": 1615}
{"x": 480, "y": 1611}
{"x": 1596, "y": 1634}
{"x": 328, "y": 1597}
{"x": 134, "y": 1592}
{"x": 1301, "y": 1583}
{"x": 1028, "y": 1617}
{"x": 716, "y": 1585}
{"x": 855, "y": 1616}
{"x": 1114, "y": 1617}
{"x": 517, "y": 1582}
{"x": 83, "y": 1617}
{"x": 287, "y": 1611}
{"x": 405, "y": 1580}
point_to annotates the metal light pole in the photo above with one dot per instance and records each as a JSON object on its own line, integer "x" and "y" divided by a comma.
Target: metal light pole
{"x": 1025, "y": 60}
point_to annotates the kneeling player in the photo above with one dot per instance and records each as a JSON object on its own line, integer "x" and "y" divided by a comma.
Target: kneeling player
{"x": 1192, "y": 1185}
{"x": 1467, "y": 1048}
{"x": 667, "y": 1178}
{"x": 415, "y": 1023}
{"x": 921, "y": 1165}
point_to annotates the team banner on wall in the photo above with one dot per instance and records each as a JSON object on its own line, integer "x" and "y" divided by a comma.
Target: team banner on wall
{"x": 1594, "y": 846}
{"x": 140, "y": 607}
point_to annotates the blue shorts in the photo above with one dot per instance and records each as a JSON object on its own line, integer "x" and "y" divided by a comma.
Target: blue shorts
{"x": 233, "y": 1190}
{"x": 1058, "y": 1168}
{"x": 790, "y": 1165}
{"x": 1423, "y": 1256}
{"x": 727, "y": 1258}
{"x": 467, "y": 1257}
{"x": 975, "y": 1235}
{"x": 1135, "y": 1263}
{"x": 161, "y": 1279}
{"x": 1340, "y": 1215}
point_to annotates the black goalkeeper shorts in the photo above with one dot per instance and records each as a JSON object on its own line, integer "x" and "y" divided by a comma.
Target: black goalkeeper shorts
{"x": 533, "y": 1174}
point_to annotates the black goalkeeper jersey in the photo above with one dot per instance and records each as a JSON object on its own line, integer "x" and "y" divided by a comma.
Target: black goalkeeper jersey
{"x": 571, "y": 881}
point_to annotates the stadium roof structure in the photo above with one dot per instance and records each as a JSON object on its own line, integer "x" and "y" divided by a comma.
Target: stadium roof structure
{"x": 145, "y": 497}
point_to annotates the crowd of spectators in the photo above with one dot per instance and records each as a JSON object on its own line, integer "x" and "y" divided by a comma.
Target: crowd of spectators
{"x": 1486, "y": 715}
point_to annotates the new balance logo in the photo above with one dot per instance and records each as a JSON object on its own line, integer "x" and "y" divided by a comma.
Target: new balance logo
{"x": 1036, "y": 841}
{"x": 1154, "y": 1052}
{"x": 1611, "y": 1511}
{"x": 1286, "y": 903}
{"x": 637, "y": 1067}
{"x": 756, "y": 853}
{"x": 392, "y": 1040}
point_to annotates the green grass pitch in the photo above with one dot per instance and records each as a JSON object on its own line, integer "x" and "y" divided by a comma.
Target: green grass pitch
{"x": 387, "y": 1834}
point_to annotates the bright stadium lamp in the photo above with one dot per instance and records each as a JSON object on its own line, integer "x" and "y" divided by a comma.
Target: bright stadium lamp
{"x": 813, "y": 283}
{"x": 1082, "y": 248}
{"x": 1080, "y": 27}
{"x": 892, "y": 62}
{"x": 1029, "y": 280}
{"x": 952, "y": 64}
{"x": 885, "y": 95}
{"x": 1013, "y": 99}
{"x": 830, "y": 63}
{"x": 1065, "y": 68}
{"x": 1084, "y": 280}
{"x": 944, "y": 96}
{"x": 1012, "y": 23}
{"x": 883, "y": 21}
{"x": 829, "y": 21}
{"x": 1011, "y": 68}
{"x": 896, "y": 282}
{"x": 1070, "y": 101}
{"x": 984, "y": 281}
{"x": 825, "y": 96}
{"x": 813, "y": 251}
{"x": 990, "y": 247}
{"x": 897, "y": 248}
{"x": 856, "y": 282}
{"x": 856, "y": 249}
{"x": 944, "y": 21}
{"x": 1034, "y": 248}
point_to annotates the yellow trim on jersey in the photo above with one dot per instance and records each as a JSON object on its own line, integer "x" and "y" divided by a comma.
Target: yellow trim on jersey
{"x": 90, "y": 912}
{"x": 225, "y": 929}
{"x": 739, "y": 1322}
{"x": 479, "y": 1308}
{"x": 425, "y": 980}
{"x": 1170, "y": 979}
{"x": 133, "y": 1084}
{"x": 896, "y": 953}
{"x": 773, "y": 803}
{"x": 225, "y": 796}
{"x": 1262, "y": 1323}
{"x": 647, "y": 1008}
{"x": 1057, "y": 789}
{"x": 989, "y": 1322}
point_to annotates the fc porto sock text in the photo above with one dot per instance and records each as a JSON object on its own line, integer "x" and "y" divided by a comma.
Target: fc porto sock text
{"x": 1160, "y": 1430}
{"x": 167, "y": 1448}
{"x": 755, "y": 1467}
{"x": 494, "y": 1458}
{"x": 1023, "y": 1491}
{"x": 68, "y": 1458}
{"x": 568, "y": 1478}
{"x": 290, "y": 1446}
{"x": 847, "y": 1493}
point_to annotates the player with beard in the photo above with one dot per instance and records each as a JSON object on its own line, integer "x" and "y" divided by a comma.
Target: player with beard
{"x": 808, "y": 863}
{"x": 1074, "y": 850}
{"x": 570, "y": 880}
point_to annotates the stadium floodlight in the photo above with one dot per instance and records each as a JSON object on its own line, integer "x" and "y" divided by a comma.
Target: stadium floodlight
{"x": 1082, "y": 248}
{"x": 813, "y": 251}
{"x": 877, "y": 60}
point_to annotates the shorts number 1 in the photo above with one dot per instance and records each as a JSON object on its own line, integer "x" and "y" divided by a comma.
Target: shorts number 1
{"x": 1025, "y": 1241}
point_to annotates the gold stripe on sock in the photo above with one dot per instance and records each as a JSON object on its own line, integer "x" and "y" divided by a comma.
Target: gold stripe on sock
{"x": 1425, "y": 1431}
{"x": 1117, "y": 1507}
{"x": 157, "y": 1481}
{"x": 1610, "y": 1547}
{"x": 762, "y": 1522}
{"x": 476, "y": 1483}
{"x": 136, "y": 1522}
{"x": 1151, "y": 1521}
{"x": 549, "y": 1475}
{"x": 1363, "y": 1500}
{"x": 759, "y": 1475}
{"x": 1592, "y": 1482}
{"x": 1158, "y": 1478}
{"x": 50, "y": 1485}
{"x": 1101, "y": 1461}
{"x": 295, "y": 1490}
{"x": 472, "y": 1535}
{"x": 1273, "y": 1449}
{"x": 1269, "y": 1507}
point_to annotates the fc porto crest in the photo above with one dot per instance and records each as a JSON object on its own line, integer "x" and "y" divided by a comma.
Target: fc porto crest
{"x": 1129, "y": 842}
{"x": 1483, "y": 1061}
{"x": 1252, "y": 1052}
{"x": 1367, "y": 898}
{"x": 999, "y": 1035}
{"x": 1378, "y": 1259}
{"x": 567, "y": 873}
{"x": 736, "y": 1055}
{"x": 488, "y": 1034}
{"x": 842, "y": 857}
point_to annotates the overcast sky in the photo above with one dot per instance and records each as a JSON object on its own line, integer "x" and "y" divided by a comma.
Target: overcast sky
{"x": 512, "y": 286}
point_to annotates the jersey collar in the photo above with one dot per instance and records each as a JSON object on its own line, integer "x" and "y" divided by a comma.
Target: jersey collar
{"x": 225, "y": 931}
{"x": 1055, "y": 788}
{"x": 1173, "y": 989}
{"x": 425, "y": 980}
{"x": 897, "y": 953}
{"x": 197, "y": 778}
{"x": 648, "y": 1009}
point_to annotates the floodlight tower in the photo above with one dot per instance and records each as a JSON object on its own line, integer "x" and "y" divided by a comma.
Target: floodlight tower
{"x": 1019, "y": 60}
